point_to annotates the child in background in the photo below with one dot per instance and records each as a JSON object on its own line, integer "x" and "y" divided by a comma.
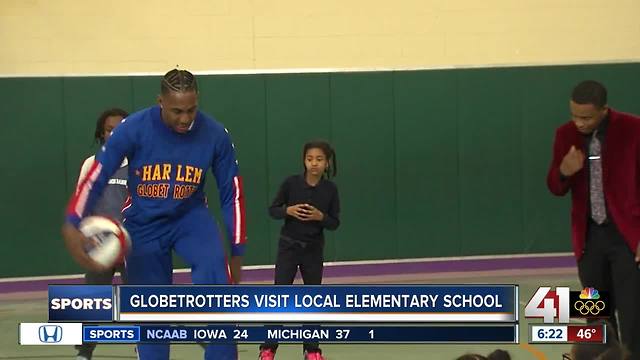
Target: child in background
{"x": 110, "y": 204}
{"x": 308, "y": 203}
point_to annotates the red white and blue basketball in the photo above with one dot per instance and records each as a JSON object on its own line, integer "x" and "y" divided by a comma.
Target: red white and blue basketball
{"x": 112, "y": 240}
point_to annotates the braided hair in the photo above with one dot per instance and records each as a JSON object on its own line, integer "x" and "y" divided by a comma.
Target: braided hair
{"x": 178, "y": 81}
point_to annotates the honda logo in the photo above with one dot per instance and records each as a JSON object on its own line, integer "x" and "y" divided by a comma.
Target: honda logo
{"x": 50, "y": 333}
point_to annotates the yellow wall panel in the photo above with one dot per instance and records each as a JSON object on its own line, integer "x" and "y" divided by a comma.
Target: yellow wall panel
{"x": 122, "y": 36}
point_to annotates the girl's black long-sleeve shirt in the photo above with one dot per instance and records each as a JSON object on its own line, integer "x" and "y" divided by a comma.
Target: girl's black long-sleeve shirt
{"x": 324, "y": 197}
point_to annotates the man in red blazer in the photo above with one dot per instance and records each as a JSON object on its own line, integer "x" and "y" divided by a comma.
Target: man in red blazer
{"x": 596, "y": 155}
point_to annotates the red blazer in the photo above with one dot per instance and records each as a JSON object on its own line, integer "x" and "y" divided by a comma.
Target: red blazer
{"x": 620, "y": 173}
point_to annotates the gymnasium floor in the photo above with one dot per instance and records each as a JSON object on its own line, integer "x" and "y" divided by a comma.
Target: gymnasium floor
{"x": 25, "y": 301}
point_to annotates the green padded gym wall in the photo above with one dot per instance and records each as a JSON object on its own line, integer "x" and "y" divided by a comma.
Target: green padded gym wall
{"x": 431, "y": 163}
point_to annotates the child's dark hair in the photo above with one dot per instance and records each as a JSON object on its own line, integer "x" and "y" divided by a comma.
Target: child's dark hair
{"x": 472, "y": 357}
{"x": 496, "y": 355}
{"x": 99, "y": 134}
{"x": 178, "y": 81}
{"x": 329, "y": 153}
{"x": 499, "y": 354}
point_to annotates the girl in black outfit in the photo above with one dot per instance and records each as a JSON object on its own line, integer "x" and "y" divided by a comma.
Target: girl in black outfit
{"x": 308, "y": 203}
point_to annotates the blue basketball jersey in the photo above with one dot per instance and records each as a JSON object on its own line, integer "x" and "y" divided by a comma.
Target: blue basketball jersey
{"x": 167, "y": 173}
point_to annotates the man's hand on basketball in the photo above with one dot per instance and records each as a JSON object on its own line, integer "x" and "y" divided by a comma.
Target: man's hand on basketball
{"x": 572, "y": 162}
{"x": 638, "y": 254}
{"x": 76, "y": 243}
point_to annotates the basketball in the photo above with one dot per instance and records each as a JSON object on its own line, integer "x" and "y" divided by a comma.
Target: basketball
{"x": 112, "y": 240}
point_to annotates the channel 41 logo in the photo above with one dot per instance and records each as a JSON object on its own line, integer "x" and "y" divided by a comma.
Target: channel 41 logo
{"x": 563, "y": 304}
{"x": 50, "y": 334}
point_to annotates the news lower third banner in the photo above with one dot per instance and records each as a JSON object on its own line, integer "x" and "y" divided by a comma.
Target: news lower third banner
{"x": 76, "y": 333}
{"x": 284, "y": 304}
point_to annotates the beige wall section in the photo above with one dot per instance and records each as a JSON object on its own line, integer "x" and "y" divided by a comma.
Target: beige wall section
{"x": 125, "y": 36}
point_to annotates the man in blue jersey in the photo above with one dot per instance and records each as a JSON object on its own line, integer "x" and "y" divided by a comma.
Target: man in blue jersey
{"x": 170, "y": 147}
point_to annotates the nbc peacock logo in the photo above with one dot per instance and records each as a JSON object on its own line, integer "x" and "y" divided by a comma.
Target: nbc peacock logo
{"x": 589, "y": 293}
{"x": 589, "y": 303}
